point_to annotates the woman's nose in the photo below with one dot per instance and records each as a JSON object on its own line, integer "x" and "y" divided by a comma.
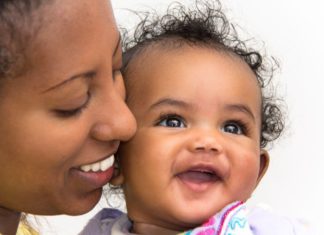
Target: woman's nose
{"x": 114, "y": 121}
{"x": 206, "y": 141}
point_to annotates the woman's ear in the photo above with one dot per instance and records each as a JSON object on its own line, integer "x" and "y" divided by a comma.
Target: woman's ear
{"x": 118, "y": 177}
{"x": 264, "y": 164}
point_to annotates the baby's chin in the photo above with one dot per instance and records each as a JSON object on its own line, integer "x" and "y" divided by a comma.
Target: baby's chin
{"x": 189, "y": 221}
{"x": 181, "y": 217}
{"x": 172, "y": 224}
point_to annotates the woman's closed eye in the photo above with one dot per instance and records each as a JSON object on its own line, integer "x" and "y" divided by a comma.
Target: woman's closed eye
{"x": 75, "y": 111}
{"x": 235, "y": 127}
{"x": 171, "y": 120}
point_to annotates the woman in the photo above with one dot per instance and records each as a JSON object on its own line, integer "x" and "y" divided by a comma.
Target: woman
{"x": 62, "y": 106}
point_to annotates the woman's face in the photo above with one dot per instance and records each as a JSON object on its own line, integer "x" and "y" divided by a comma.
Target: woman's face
{"x": 64, "y": 113}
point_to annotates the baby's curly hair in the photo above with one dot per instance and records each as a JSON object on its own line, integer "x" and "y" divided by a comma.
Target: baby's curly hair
{"x": 207, "y": 26}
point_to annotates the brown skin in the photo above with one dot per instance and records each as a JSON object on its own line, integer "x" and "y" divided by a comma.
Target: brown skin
{"x": 205, "y": 94}
{"x": 73, "y": 63}
{"x": 9, "y": 221}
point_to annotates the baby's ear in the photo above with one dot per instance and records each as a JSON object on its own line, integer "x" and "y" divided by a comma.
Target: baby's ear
{"x": 118, "y": 177}
{"x": 264, "y": 164}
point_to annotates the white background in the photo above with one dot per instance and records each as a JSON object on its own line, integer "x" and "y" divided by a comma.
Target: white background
{"x": 293, "y": 31}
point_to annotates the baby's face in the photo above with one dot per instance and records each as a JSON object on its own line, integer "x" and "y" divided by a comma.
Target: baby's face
{"x": 197, "y": 147}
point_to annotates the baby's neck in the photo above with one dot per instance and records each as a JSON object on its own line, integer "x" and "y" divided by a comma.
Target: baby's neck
{"x": 9, "y": 221}
{"x": 149, "y": 229}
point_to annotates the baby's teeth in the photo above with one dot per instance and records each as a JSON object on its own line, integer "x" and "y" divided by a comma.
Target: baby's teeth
{"x": 102, "y": 166}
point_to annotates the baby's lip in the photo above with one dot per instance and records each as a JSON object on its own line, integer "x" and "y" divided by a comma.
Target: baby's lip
{"x": 200, "y": 174}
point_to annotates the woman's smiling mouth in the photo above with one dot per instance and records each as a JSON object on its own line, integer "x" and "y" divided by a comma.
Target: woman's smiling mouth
{"x": 99, "y": 166}
{"x": 93, "y": 176}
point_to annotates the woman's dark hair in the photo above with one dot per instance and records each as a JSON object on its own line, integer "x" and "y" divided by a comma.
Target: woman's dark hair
{"x": 17, "y": 26}
{"x": 207, "y": 26}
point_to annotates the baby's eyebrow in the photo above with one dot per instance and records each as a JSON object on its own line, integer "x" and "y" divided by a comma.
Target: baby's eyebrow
{"x": 169, "y": 102}
{"x": 241, "y": 108}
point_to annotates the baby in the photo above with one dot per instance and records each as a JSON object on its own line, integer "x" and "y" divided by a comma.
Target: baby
{"x": 204, "y": 118}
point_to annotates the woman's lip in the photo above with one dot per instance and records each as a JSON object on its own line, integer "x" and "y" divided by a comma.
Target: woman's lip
{"x": 90, "y": 181}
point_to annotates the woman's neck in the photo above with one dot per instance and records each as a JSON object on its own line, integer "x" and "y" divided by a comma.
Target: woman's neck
{"x": 9, "y": 221}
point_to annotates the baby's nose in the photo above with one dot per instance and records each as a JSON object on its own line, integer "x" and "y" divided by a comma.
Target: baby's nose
{"x": 206, "y": 140}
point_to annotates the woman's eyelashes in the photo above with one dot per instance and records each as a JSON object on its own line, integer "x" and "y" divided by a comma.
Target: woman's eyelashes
{"x": 171, "y": 120}
{"x": 73, "y": 112}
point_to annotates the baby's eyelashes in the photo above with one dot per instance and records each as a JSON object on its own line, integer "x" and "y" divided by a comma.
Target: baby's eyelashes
{"x": 171, "y": 120}
{"x": 235, "y": 127}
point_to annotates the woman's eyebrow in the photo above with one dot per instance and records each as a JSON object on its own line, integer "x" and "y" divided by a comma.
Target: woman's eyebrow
{"x": 83, "y": 74}
{"x": 78, "y": 76}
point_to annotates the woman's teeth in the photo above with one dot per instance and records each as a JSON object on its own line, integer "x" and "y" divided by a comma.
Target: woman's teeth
{"x": 99, "y": 166}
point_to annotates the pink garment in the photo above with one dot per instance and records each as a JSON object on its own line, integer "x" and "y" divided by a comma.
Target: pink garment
{"x": 231, "y": 220}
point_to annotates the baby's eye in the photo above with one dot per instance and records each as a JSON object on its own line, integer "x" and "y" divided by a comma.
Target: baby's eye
{"x": 172, "y": 121}
{"x": 233, "y": 128}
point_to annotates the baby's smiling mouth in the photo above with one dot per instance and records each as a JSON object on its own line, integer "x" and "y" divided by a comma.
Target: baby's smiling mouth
{"x": 199, "y": 178}
{"x": 199, "y": 175}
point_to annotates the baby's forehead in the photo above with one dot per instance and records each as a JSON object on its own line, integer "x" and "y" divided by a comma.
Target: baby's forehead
{"x": 171, "y": 44}
{"x": 157, "y": 63}
{"x": 138, "y": 59}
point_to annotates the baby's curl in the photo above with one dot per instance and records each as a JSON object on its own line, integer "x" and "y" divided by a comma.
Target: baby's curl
{"x": 207, "y": 26}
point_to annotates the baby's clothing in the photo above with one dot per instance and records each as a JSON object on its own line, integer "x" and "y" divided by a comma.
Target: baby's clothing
{"x": 234, "y": 219}
{"x": 231, "y": 220}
